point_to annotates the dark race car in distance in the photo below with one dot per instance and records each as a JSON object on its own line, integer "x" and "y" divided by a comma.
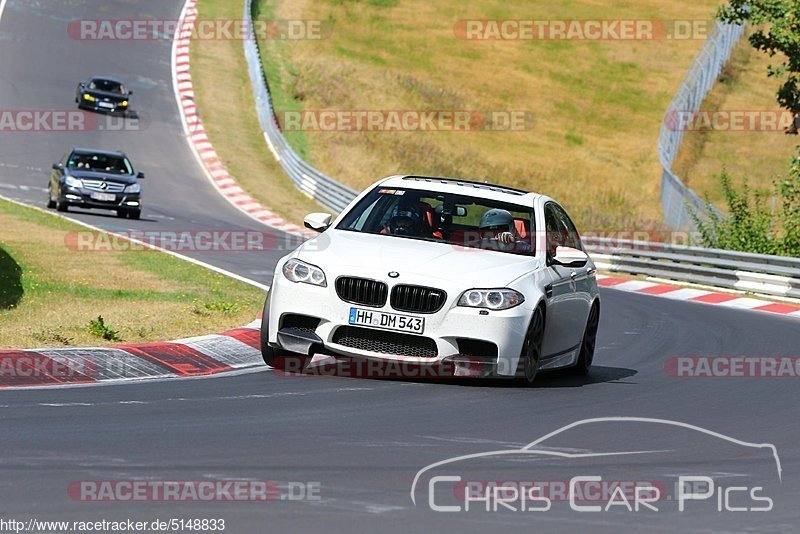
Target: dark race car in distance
{"x": 103, "y": 94}
{"x": 97, "y": 179}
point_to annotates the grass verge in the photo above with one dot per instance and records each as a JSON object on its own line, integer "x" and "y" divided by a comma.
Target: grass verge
{"x": 52, "y": 295}
{"x": 225, "y": 103}
{"x": 759, "y": 155}
{"x": 597, "y": 105}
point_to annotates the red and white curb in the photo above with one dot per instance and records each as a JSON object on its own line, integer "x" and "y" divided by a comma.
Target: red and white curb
{"x": 230, "y": 351}
{"x": 198, "y": 139}
{"x": 239, "y": 349}
{"x": 697, "y": 295}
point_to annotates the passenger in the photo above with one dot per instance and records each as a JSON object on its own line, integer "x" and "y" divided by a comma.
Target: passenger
{"x": 498, "y": 232}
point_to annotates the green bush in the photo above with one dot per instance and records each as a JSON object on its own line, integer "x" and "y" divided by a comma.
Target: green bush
{"x": 98, "y": 327}
{"x": 776, "y": 33}
{"x": 752, "y": 225}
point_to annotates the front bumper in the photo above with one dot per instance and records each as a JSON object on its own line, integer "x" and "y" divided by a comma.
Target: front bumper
{"x": 116, "y": 107}
{"x": 80, "y": 197}
{"x": 451, "y": 329}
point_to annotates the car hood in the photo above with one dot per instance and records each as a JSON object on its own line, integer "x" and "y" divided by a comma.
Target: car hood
{"x": 345, "y": 252}
{"x": 108, "y": 177}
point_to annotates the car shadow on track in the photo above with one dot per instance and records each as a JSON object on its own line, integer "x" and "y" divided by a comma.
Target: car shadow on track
{"x": 553, "y": 379}
{"x": 550, "y": 379}
{"x": 107, "y": 215}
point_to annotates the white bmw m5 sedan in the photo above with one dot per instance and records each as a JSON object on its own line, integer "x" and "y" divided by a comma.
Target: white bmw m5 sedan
{"x": 423, "y": 270}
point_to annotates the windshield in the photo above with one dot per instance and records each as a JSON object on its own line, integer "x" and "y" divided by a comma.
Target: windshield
{"x": 444, "y": 218}
{"x": 107, "y": 86}
{"x": 99, "y": 163}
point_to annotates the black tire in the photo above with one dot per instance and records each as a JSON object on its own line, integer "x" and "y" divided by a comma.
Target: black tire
{"x": 135, "y": 214}
{"x": 61, "y": 206}
{"x": 586, "y": 356}
{"x": 531, "y": 353}
{"x": 51, "y": 204}
{"x": 122, "y": 213}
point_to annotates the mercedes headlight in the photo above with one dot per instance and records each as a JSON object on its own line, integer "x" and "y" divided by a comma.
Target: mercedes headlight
{"x": 133, "y": 188}
{"x": 72, "y": 182}
{"x": 300, "y": 271}
{"x": 492, "y": 299}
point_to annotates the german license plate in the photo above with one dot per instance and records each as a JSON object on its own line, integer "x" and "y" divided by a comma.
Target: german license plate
{"x": 104, "y": 197}
{"x": 106, "y": 105}
{"x": 387, "y": 321}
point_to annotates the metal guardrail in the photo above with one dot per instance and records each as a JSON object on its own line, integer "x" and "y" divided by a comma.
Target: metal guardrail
{"x": 755, "y": 273}
{"x": 677, "y": 200}
{"x": 314, "y": 183}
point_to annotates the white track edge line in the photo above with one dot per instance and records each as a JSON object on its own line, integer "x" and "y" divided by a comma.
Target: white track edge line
{"x": 256, "y": 368}
{"x": 150, "y": 246}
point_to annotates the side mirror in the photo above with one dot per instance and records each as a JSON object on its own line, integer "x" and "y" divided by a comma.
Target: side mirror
{"x": 140, "y": 175}
{"x": 319, "y": 222}
{"x": 57, "y": 166}
{"x": 130, "y": 93}
{"x": 570, "y": 257}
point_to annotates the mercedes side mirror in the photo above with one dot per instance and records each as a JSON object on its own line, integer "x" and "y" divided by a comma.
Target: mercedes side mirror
{"x": 57, "y": 166}
{"x": 319, "y": 222}
{"x": 570, "y": 257}
{"x": 140, "y": 175}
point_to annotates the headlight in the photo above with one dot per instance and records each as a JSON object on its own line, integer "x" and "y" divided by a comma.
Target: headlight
{"x": 72, "y": 182}
{"x": 133, "y": 188}
{"x": 300, "y": 271}
{"x": 124, "y": 103}
{"x": 493, "y": 299}
{"x": 88, "y": 97}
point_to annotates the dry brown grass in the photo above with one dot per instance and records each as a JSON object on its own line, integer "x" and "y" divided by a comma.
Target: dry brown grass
{"x": 598, "y": 106}
{"x": 225, "y": 103}
{"x": 760, "y": 156}
{"x": 144, "y": 295}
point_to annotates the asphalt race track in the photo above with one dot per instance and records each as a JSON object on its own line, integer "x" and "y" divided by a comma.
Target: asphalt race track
{"x": 360, "y": 441}
{"x": 40, "y": 66}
